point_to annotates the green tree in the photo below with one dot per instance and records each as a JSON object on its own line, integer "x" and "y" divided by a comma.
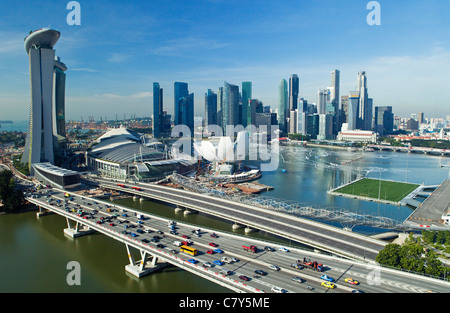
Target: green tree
{"x": 390, "y": 255}
{"x": 10, "y": 196}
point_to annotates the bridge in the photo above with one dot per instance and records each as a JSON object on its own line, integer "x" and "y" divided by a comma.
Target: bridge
{"x": 137, "y": 231}
{"x": 323, "y": 237}
{"x": 424, "y": 150}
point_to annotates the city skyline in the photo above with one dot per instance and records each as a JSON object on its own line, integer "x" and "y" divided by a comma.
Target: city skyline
{"x": 114, "y": 60}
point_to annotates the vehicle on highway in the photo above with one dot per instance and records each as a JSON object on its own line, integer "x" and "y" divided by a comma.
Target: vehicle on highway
{"x": 328, "y": 284}
{"x": 226, "y": 272}
{"x": 218, "y": 251}
{"x": 351, "y": 281}
{"x": 212, "y": 244}
{"x": 214, "y": 235}
{"x": 243, "y": 277}
{"x": 269, "y": 249}
{"x": 192, "y": 261}
{"x": 283, "y": 249}
{"x": 188, "y": 250}
{"x": 207, "y": 264}
{"x": 210, "y": 252}
{"x": 278, "y": 289}
{"x": 297, "y": 266}
{"x": 218, "y": 262}
{"x": 274, "y": 267}
{"x": 326, "y": 277}
{"x": 185, "y": 236}
{"x": 261, "y": 272}
{"x": 297, "y": 279}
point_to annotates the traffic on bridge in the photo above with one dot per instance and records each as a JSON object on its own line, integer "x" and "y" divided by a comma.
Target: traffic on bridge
{"x": 318, "y": 235}
{"x": 239, "y": 263}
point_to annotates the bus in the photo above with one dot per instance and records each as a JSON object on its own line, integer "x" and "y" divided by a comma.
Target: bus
{"x": 136, "y": 188}
{"x": 121, "y": 185}
{"x": 188, "y": 250}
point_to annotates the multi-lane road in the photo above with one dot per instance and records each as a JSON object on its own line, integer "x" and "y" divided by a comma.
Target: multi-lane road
{"x": 318, "y": 235}
{"x": 139, "y": 233}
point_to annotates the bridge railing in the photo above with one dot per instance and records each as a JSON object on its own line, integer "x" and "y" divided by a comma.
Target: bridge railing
{"x": 292, "y": 207}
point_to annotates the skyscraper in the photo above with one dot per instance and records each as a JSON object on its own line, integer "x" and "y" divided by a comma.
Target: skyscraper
{"x": 246, "y": 96}
{"x": 323, "y": 96}
{"x": 293, "y": 92}
{"x": 210, "y": 108}
{"x": 353, "y": 110}
{"x": 384, "y": 120}
{"x": 39, "y": 145}
{"x": 230, "y": 106}
{"x": 180, "y": 90}
{"x": 334, "y": 90}
{"x": 282, "y": 105}
{"x": 365, "y": 104}
{"x": 157, "y": 110}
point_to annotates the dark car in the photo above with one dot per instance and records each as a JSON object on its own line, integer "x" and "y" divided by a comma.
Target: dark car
{"x": 261, "y": 272}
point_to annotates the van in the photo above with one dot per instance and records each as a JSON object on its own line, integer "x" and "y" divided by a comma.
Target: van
{"x": 177, "y": 243}
{"x": 225, "y": 272}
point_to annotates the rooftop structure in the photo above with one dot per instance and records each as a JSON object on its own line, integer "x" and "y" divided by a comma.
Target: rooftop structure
{"x": 120, "y": 153}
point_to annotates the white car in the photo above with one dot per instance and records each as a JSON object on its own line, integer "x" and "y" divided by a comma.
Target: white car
{"x": 207, "y": 264}
{"x": 274, "y": 267}
{"x": 283, "y": 249}
{"x": 278, "y": 289}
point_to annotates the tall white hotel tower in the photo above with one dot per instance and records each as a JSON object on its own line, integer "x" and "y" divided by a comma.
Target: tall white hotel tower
{"x": 39, "y": 146}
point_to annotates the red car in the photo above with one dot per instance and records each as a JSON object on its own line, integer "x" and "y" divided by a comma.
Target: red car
{"x": 185, "y": 237}
{"x": 214, "y": 235}
{"x": 210, "y": 252}
{"x": 243, "y": 277}
{"x": 212, "y": 244}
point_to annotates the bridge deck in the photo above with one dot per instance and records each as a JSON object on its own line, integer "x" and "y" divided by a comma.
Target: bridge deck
{"x": 433, "y": 207}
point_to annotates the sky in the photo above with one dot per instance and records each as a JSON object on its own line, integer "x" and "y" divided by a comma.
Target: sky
{"x": 122, "y": 47}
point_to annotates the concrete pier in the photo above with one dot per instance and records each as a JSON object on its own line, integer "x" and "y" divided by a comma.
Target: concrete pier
{"x": 74, "y": 233}
{"x": 137, "y": 271}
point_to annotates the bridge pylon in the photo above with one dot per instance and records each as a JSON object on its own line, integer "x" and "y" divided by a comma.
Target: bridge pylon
{"x": 78, "y": 230}
{"x": 147, "y": 265}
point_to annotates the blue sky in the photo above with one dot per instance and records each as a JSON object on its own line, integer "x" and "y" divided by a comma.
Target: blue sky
{"x": 122, "y": 47}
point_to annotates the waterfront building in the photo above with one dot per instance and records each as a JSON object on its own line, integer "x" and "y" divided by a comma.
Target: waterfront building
{"x": 39, "y": 145}
{"x": 365, "y": 104}
{"x": 312, "y": 125}
{"x": 325, "y": 127}
{"x": 121, "y": 153}
{"x": 353, "y": 110}
{"x": 364, "y": 136}
{"x": 384, "y": 120}
{"x": 246, "y": 96}
{"x": 282, "y": 105}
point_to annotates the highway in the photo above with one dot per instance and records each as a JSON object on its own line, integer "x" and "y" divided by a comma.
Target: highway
{"x": 112, "y": 223}
{"x": 321, "y": 236}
